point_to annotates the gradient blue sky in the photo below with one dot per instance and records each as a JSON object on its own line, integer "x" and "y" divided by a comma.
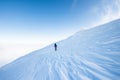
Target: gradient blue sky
{"x": 46, "y": 21}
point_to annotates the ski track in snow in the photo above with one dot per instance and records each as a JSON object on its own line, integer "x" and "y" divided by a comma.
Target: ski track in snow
{"x": 88, "y": 55}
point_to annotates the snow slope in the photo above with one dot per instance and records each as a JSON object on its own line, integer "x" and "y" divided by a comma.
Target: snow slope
{"x": 92, "y": 54}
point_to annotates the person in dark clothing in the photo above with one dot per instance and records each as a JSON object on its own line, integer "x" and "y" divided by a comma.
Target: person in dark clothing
{"x": 55, "y": 45}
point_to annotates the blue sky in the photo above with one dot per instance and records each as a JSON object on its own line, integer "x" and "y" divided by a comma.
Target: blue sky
{"x": 46, "y": 21}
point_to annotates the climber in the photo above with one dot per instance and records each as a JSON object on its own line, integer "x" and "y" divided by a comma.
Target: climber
{"x": 55, "y": 46}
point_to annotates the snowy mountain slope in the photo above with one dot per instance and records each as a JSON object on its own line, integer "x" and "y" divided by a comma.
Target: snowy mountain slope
{"x": 88, "y": 55}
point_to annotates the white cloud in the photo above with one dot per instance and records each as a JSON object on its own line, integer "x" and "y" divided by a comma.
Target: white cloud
{"x": 109, "y": 10}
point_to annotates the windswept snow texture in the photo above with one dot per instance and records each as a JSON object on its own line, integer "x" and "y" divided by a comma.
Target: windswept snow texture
{"x": 92, "y": 54}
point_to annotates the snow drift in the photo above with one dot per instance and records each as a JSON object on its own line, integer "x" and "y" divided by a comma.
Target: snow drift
{"x": 92, "y": 54}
